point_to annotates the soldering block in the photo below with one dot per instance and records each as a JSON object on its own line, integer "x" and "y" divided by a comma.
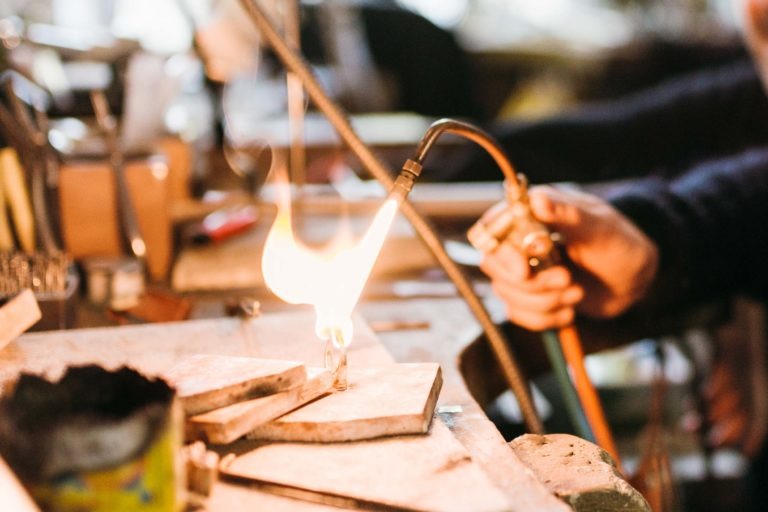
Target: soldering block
{"x": 578, "y": 472}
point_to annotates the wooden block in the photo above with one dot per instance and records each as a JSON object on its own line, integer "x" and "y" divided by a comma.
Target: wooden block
{"x": 227, "y": 424}
{"x": 18, "y": 315}
{"x": 396, "y": 399}
{"x": 207, "y": 382}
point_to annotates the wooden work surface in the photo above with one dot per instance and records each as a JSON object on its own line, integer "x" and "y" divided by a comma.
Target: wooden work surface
{"x": 154, "y": 348}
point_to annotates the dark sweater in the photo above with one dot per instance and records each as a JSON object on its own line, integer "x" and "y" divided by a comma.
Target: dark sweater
{"x": 662, "y": 130}
{"x": 710, "y": 224}
{"x": 697, "y": 148}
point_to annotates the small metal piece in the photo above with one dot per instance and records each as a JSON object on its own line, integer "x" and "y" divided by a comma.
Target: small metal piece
{"x": 337, "y": 365}
{"x": 449, "y": 409}
{"x": 397, "y": 325}
{"x": 247, "y": 307}
{"x": 407, "y": 177}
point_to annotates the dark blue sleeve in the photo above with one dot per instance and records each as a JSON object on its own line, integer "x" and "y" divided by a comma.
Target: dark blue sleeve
{"x": 710, "y": 224}
{"x": 659, "y": 130}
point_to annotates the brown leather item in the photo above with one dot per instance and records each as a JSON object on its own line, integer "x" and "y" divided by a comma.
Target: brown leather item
{"x": 88, "y": 204}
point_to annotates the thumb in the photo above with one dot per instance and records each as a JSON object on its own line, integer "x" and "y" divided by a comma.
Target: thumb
{"x": 556, "y": 208}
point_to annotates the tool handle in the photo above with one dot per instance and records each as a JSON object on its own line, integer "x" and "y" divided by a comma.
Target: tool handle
{"x": 126, "y": 211}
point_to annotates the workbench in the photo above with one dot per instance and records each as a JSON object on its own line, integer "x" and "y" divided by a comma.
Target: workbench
{"x": 484, "y": 473}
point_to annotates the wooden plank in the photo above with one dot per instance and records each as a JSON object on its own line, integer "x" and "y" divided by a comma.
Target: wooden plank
{"x": 290, "y": 335}
{"x": 229, "y": 423}
{"x": 207, "y": 382}
{"x": 424, "y": 472}
{"x": 17, "y": 315}
{"x": 396, "y": 399}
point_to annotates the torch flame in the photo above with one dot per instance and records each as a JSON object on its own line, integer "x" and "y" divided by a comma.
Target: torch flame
{"x": 330, "y": 279}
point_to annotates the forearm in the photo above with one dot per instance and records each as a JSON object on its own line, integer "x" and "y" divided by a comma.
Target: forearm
{"x": 710, "y": 225}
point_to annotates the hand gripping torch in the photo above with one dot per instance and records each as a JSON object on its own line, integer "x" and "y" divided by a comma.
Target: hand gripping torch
{"x": 514, "y": 223}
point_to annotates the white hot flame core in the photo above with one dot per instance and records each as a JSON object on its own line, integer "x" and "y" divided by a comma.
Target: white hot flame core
{"x": 330, "y": 279}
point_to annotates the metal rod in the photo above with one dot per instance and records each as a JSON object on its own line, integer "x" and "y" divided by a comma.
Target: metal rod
{"x": 295, "y": 99}
{"x": 126, "y": 211}
{"x": 568, "y": 392}
{"x": 293, "y": 62}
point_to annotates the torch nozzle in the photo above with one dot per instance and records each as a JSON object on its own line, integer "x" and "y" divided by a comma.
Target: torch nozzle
{"x": 405, "y": 180}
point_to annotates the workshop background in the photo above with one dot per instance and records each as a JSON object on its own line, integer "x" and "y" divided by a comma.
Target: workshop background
{"x": 192, "y": 84}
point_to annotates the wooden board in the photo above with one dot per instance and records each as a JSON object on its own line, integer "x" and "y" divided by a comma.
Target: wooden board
{"x": 18, "y": 315}
{"x": 207, "y": 382}
{"x": 395, "y": 399}
{"x": 420, "y": 472}
{"x": 229, "y": 423}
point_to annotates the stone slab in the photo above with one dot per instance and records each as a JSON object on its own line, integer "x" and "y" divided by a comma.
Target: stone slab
{"x": 417, "y": 472}
{"x": 396, "y": 399}
{"x": 207, "y": 382}
{"x": 229, "y": 423}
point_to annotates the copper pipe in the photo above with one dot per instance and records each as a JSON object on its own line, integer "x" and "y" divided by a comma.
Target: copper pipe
{"x": 294, "y": 63}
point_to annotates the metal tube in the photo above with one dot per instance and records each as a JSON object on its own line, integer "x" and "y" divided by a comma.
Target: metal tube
{"x": 590, "y": 401}
{"x": 571, "y": 399}
{"x": 293, "y": 62}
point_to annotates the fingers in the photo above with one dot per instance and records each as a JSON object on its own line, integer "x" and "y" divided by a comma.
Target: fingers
{"x": 538, "y": 301}
{"x": 507, "y": 265}
{"x": 539, "y": 311}
{"x": 535, "y": 301}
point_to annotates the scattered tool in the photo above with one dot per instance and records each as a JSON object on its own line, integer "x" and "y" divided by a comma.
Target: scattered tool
{"x": 6, "y": 234}
{"x": 38, "y": 271}
{"x": 17, "y": 198}
{"x": 36, "y": 152}
{"x": 126, "y": 211}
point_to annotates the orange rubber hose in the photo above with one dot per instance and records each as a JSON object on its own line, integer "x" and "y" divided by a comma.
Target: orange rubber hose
{"x": 590, "y": 401}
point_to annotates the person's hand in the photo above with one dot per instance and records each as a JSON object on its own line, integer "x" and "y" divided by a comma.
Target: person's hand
{"x": 613, "y": 264}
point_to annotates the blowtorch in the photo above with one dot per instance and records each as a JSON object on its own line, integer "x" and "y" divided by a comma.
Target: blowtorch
{"x": 513, "y": 222}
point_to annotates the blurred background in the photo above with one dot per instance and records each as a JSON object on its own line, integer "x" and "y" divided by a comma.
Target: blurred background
{"x": 197, "y": 99}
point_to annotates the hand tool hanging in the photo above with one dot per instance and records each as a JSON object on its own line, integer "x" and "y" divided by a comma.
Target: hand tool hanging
{"x": 516, "y": 224}
{"x": 126, "y": 211}
{"x": 337, "y": 118}
{"x": 30, "y": 140}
